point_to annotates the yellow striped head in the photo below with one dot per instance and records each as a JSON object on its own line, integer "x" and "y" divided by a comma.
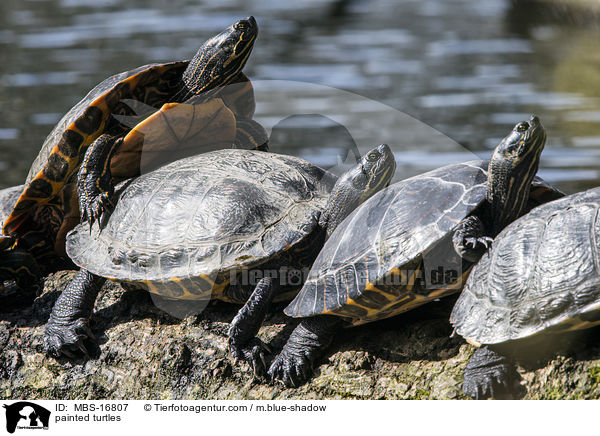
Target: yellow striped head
{"x": 513, "y": 166}
{"x": 220, "y": 59}
{"x": 377, "y": 167}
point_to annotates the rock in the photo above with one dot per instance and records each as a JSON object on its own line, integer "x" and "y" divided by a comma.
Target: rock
{"x": 146, "y": 353}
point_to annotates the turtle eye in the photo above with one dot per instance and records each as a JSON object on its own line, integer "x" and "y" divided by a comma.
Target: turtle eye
{"x": 372, "y": 157}
{"x": 523, "y": 127}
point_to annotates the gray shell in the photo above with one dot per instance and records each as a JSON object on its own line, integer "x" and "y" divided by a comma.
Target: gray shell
{"x": 542, "y": 274}
{"x": 398, "y": 228}
{"x": 8, "y": 198}
{"x": 205, "y": 215}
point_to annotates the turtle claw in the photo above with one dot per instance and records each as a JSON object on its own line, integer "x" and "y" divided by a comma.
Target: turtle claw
{"x": 485, "y": 241}
{"x": 68, "y": 338}
{"x": 253, "y": 353}
{"x": 294, "y": 364}
{"x": 292, "y": 370}
{"x": 264, "y": 362}
{"x": 472, "y": 248}
{"x": 83, "y": 349}
{"x": 490, "y": 374}
{"x": 98, "y": 209}
{"x": 66, "y": 352}
{"x": 490, "y": 387}
{"x": 469, "y": 239}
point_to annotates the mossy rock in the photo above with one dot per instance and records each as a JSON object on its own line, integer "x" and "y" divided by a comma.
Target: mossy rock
{"x": 147, "y": 354}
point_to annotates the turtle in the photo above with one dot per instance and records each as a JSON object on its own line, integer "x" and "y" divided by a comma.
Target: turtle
{"x": 48, "y": 206}
{"x": 540, "y": 278}
{"x": 177, "y": 130}
{"x": 410, "y": 244}
{"x": 223, "y": 225}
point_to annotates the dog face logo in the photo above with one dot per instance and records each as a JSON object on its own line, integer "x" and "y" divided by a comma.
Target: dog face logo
{"x": 26, "y": 415}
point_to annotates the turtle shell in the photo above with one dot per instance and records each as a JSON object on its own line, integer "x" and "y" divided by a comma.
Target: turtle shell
{"x": 177, "y": 130}
{"x": 185, "y": 229}
{"x": 542, "y": 275}
{"x": 8, "y": 198}
{"x": 395, "y": 252}
{"x": 63, "y": 149}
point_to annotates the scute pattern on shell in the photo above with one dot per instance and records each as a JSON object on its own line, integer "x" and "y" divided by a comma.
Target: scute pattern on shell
{"x": 390, "y": 230}
{"x": 53, "y": 170}
{"x": 543, "y": 273}
{"x": 195, "y": 216}
{"x": 78, "y": 110}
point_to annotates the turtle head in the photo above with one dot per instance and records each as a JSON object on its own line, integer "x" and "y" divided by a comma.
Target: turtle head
{"x": 233, "y": 45}
{"x": 373, "y": 173}
{"x": 219, "y": 60}
{"x": 511, "y": 170}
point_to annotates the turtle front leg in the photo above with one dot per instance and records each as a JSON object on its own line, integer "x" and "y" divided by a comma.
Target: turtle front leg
{"x": 68, "y": 326}
{"x": 294, "y": 365}
{"x": 470, "y": 240}
{"x": 243, "y": 342}
{"x": 94, "y": 180}
{"x": 491, "y": 374}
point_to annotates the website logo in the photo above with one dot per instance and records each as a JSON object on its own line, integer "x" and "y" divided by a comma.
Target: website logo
{"x": 26, "y": 415}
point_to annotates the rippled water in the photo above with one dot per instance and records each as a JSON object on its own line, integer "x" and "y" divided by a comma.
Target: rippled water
{"x": 468, "y": 69}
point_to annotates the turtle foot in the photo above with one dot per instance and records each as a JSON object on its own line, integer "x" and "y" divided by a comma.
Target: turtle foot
{"x": 68, "y": 338}
{"x": 291, "y": 368}
{"x": 98, "y": 208}
{"x": 94, "y": 180}
{"x": 243, "y": 343}
{"x": 253, "y": 353}
{"x": 491, "y": 375}
{"x": 294, "y": 365}
{"x": 469, "y": 239}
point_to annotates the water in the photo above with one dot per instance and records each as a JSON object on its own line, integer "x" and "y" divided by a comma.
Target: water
{"x": 467, "y": 69}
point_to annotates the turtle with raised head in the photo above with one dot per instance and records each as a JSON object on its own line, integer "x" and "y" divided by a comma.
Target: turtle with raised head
{"x": 49, "y": 205}
{"x": 410, "y": 244}
{"x": 541, "y": 277}
{"x": 221, "y": 225}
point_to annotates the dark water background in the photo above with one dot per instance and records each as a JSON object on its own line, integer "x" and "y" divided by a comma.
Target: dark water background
{"x": 470, "y": 69}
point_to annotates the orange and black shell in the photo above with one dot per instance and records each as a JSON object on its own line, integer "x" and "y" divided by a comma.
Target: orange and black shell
{"x": 395, "y": 253}
{"x": 65, "y": 146}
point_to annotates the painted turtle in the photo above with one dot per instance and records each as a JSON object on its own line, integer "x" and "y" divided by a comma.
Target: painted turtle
{"x": 410, "y": 244}
{"x": 48, "y": 206}
{"x": 540, "y": 277}
{"x": 220, "y": 225}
